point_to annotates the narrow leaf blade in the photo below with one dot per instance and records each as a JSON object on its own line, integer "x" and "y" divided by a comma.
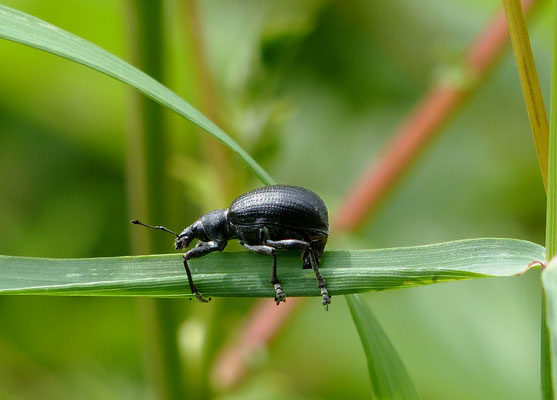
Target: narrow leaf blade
{"x": 20, "y": 27}
{"x": 388, "y": 376}
{"x": 244, "y": 274}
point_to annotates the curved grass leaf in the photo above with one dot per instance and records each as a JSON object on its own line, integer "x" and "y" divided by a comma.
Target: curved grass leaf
{"x": 388, "y": 376}
{"x": 244, "y": 274}
{"x": 26, "y": 29}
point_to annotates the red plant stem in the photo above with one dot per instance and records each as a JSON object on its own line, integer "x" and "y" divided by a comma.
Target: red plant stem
{"x": 370, "y": 189}
{"x": 260, "y": 327}
{"x": 434, "y": 109}
{"x": 429, "y": 115}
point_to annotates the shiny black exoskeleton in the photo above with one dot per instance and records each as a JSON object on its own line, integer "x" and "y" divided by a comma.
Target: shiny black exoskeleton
{"x": 264, "y": 220}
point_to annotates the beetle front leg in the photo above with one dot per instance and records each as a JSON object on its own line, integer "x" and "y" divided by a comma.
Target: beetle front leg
{"x": 193, "y": 288}
{"x": 200, "y": 250}
{"x": 280, "y": 296}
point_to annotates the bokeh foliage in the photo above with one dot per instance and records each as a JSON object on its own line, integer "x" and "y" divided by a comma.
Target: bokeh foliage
{"x": 312, "y": 91}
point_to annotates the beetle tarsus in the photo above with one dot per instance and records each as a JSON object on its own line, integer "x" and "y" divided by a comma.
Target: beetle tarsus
{"x": 201, "y": 298}
{"x": 326, "y": 298}
{"x": 280, "y": 296}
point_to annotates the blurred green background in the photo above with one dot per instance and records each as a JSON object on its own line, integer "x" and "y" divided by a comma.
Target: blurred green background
{"x": 312, "y": 90}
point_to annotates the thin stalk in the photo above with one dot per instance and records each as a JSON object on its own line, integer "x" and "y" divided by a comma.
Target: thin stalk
{"x": 551, "y": 221}
{"x": 547, "y": 369}
{"x": 529, "y": 81}
{"x": 431, "y": 113}
{"x": 149, "y": 189}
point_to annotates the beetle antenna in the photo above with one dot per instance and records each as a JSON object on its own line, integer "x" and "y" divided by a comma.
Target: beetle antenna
{"x": 162, "y": 228}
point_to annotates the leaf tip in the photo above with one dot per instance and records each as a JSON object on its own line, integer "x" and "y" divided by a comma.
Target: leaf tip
{"x": 533, "y": 264}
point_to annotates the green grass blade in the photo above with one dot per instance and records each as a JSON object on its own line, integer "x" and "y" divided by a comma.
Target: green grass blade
{"x": 244, "y": 274}
{"x": 388, "y": 376}
{"x": 26, "y": 29}
{"x": 549, "y": 327}
{"x": 529, "y": 80}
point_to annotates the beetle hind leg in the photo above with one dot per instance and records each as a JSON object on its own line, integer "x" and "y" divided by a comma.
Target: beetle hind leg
{"x": 310, "y": 261}
{"x": 320, "y": 280}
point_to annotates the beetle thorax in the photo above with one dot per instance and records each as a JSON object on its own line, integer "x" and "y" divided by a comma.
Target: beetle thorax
{"x": 214, "y": 226}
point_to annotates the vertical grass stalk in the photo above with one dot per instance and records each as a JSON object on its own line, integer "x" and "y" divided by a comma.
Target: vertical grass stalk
{"x": 529, "y": 81}
{"x": 547, "y": 369}
{"x": 148, "y": 196}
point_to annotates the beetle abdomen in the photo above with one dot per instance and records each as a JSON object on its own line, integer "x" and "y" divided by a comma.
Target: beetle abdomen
{"x": 280, "y": 205}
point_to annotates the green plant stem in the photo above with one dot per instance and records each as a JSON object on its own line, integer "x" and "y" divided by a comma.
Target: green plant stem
{"x": 158, "y": 317}
{"x": 547, "y": 369}
{"x": 529, "y": 81}
{"x": 545, "y": 143}
{"x": 551, "y": 221}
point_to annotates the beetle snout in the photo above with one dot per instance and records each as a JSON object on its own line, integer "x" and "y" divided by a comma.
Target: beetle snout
{"x": 182, "y": 242}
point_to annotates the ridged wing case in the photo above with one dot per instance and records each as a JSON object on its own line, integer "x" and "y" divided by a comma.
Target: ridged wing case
{"x": 280, "y": 205}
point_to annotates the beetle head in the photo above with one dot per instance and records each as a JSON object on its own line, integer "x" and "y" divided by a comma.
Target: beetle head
{"x": 212, "y": 226}
{"x": 191, "y": 232}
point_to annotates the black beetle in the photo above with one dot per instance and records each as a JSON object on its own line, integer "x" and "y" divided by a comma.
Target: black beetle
{"x": 263, "y": 220}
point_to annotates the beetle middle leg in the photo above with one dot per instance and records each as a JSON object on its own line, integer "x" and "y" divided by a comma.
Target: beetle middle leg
{"x": 279, "y": 293}
{"x": 288, "y": 244}
{"x": 280, "y": 296}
